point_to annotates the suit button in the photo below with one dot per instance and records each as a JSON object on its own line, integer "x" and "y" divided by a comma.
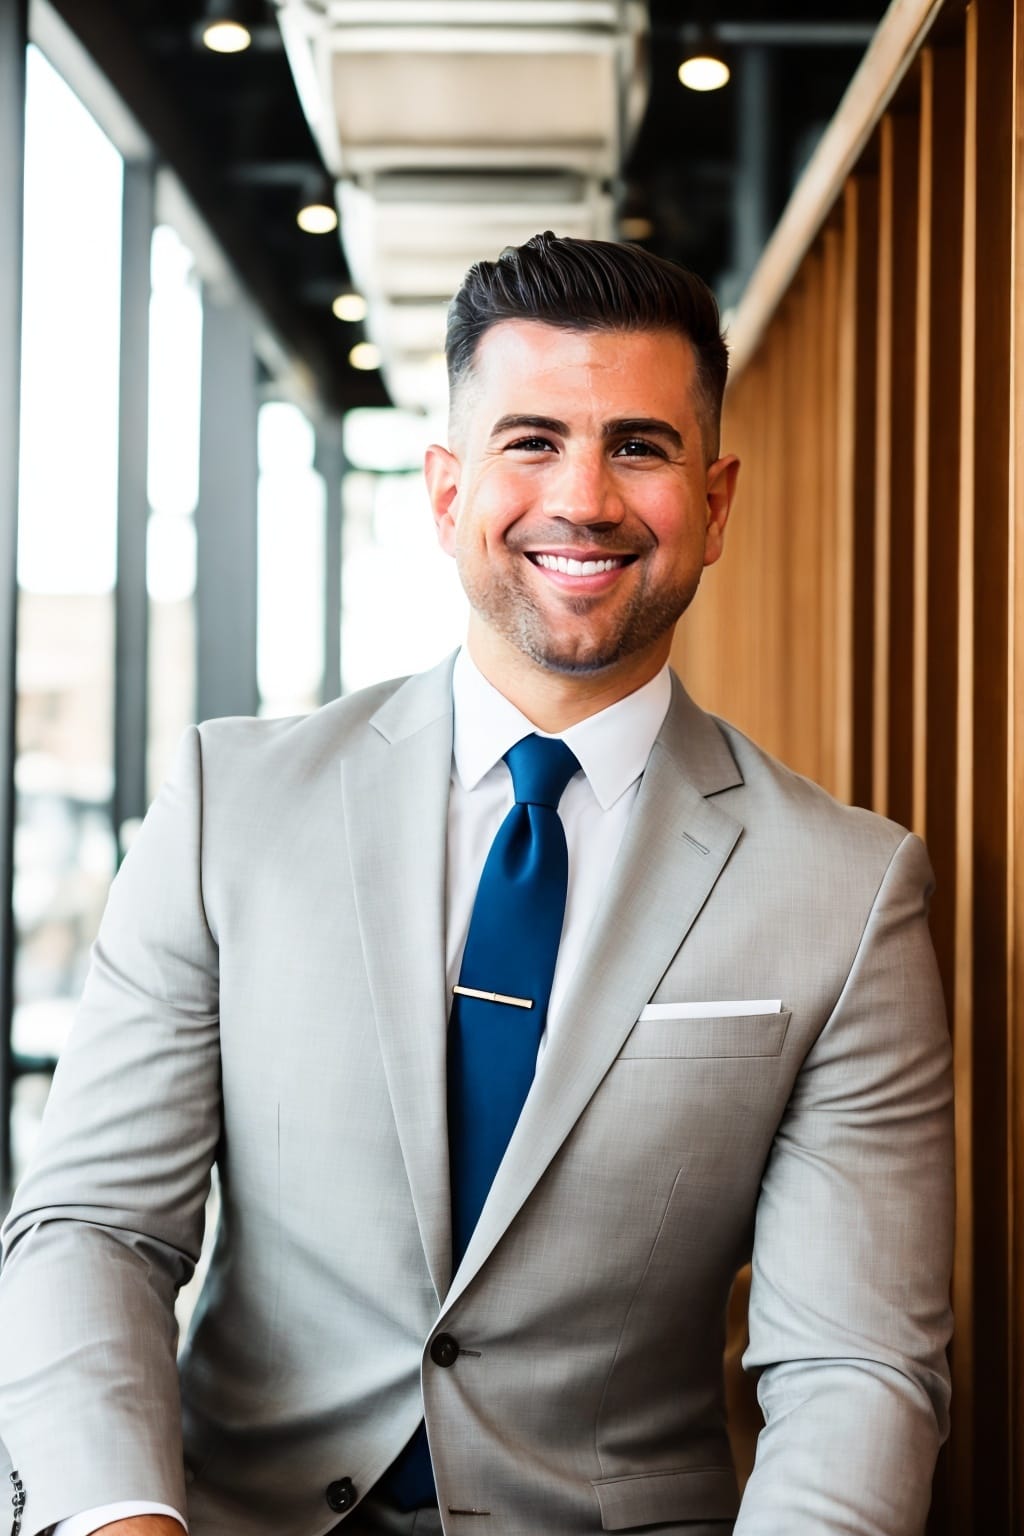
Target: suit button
{"x": 444, "y": 1350}
{"x": 341, "y": 1495}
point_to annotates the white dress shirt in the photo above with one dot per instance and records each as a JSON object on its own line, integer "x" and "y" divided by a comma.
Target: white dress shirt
{"x": 612, "y": 748}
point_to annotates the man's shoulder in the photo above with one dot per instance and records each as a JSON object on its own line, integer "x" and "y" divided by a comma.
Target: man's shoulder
{"x": 790, "y": 813}
{"x": 334, "y": 721}
{"x": 307, "y": 742}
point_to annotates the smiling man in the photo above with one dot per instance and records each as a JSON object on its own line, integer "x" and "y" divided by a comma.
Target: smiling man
{"x": 519, "y": 1004}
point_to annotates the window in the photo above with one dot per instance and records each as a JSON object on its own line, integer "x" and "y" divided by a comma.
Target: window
{"x": 290, "y": 503}
{"x": 402, "y": 605}
{"x": 64, "y": 843}
{"x": 175, "y": 371}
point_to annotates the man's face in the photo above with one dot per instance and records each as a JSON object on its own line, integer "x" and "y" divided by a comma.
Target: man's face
{"x": 575, "y": 497}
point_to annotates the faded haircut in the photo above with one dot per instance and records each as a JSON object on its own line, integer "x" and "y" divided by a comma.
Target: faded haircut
{"x": 592, "y": 285}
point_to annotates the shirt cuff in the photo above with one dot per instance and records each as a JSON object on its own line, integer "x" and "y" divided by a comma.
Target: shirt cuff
{"x": 91, "y": 1519}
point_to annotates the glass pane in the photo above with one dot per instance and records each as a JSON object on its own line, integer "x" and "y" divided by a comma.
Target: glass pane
{"x": 402, "y": 607}
{"x": 67, "y": 527}
{"x": 389, "y": 440}
{"x": 175, "y": 375}
{"x": 290, "y": 635}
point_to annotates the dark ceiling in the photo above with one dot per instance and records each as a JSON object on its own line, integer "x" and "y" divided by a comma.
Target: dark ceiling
{"x": 710, "y": 172}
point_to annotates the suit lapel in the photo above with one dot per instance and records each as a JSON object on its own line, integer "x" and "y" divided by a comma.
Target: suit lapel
{"x": 395, "y": 787}
{"x": 676, "y": 845}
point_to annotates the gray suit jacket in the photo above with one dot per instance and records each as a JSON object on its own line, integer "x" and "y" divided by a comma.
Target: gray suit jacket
{"x": 268, "y": 992}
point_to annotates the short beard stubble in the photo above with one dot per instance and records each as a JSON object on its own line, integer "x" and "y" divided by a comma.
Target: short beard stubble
{"x": 509, "y": 610}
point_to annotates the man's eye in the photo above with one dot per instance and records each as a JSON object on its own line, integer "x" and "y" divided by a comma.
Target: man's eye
{"x": 530, "y": 444}
{"x": 638, "y": 447}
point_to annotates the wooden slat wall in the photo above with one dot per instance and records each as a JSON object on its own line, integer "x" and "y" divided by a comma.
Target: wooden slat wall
{"x": 867, "y": 622}
{"x": 1015, "y": 866}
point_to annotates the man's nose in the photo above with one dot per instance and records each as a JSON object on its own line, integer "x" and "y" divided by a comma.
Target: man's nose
{"x": 583, "y": 490}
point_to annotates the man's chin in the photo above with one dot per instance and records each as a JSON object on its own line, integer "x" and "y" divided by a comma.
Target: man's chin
{"x": 575, "y": 666}
{"x": 572, "y": 659}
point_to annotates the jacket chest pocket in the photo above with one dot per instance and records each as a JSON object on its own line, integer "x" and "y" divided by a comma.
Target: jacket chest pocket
{"x": 757, "y": 1034}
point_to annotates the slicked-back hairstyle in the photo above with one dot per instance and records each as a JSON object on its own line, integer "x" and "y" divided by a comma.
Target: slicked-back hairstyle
{"x": 592, "y": 285}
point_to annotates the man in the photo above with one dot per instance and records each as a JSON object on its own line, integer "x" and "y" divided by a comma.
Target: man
{"x": 473, "y": 1176}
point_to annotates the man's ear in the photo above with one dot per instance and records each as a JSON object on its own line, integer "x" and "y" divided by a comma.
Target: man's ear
{"x": 721, "y": 488}
{"x": 442, "y": 471}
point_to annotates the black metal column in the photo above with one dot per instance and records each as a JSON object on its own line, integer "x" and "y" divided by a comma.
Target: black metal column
{"x": 226, "y": 570}
{"x": 13, "y": 43}
{"x": 330, "y": 462}
{"x": 755, "y": 153}
{"x": 131, "y": 647}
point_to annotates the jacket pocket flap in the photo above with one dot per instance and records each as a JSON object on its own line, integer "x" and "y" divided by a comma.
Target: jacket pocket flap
{"x": 704, "y": 1493}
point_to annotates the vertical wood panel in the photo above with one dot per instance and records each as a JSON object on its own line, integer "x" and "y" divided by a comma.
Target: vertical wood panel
{"x": 855, "y": 491}
{"x": 892, "y": 766}
{"x": 936, "y": 532}
{"x": 937, "y": 481}
{"x": 827, "y": 471}
{"x": 1016, "y": 846}
{"x": 769, "y": 707}
{"x": 780, "y": 530}
{"x": 964, "y": 1365}
{"x": 760, "y": 428}
{"x": 758, "y": 431}
{"x": 980, "y": 1020}
{"x": 803, "y": 552}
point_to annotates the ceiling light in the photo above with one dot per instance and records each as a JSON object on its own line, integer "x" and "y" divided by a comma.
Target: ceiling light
{"x": 349, "y": 306}
{"x": 226, "y": 25}
{"x": 703, "y": 72}
{"x": 316, "y": 218}
{"x": 364, "y": 356}
{"x": 227, "y": 37}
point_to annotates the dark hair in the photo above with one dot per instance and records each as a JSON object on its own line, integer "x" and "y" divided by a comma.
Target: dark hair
{"x": 584, "y": 285}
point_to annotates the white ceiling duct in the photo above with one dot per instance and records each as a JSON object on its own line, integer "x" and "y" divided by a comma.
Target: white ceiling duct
{"x": 455, "y": 128}
{"x": 411, "y": 236}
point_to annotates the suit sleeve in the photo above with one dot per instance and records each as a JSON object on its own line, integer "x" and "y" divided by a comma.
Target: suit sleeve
{"x": 849, "y": 1307}
{"x": 108, "y": 1223}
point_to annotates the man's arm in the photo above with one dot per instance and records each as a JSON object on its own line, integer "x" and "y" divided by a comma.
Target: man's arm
{"x": 108, "y": 1222}
{"x": 849, "y": 1308}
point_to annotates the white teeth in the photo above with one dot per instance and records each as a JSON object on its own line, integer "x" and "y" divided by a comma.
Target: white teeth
{"x": 576, "y": 567}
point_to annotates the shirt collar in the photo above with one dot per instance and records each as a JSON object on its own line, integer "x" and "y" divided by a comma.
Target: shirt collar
{"x": 612, "y": 746}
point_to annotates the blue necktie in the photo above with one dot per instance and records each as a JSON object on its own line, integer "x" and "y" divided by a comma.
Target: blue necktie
{"x": 510, "y": 951}
{"x": 510, "y": 956}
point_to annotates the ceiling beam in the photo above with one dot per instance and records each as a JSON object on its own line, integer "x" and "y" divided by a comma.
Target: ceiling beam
{"x": 778, "y": 34}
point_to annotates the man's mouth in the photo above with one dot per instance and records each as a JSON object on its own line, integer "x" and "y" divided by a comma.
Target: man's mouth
{"x": 569, "y": 565}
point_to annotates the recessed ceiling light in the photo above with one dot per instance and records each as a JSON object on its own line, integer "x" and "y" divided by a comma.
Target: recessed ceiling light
{"x": 349, "y": 306}
{"x": 227, "y": 37}
{"x": 365, "y": 356}
{"x": 702, "y": 72}
{"x": 316, "y": 218}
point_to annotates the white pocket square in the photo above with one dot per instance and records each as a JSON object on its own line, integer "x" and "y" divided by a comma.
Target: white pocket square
{"x": 733, "y": 1010}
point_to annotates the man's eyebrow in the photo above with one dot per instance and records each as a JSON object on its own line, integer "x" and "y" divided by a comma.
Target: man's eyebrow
{"x": 649, "y": 426}
{"x": 536, "y": 423}
{"x": 644, "y": 426}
